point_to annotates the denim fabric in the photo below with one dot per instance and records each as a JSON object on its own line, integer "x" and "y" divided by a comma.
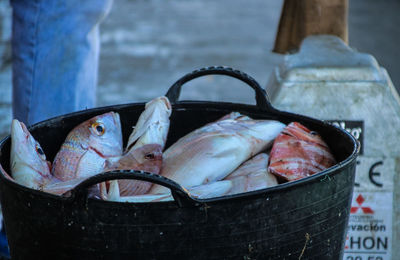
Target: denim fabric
{"x": 55, "y": 48}
{"x": 4, "y": 250}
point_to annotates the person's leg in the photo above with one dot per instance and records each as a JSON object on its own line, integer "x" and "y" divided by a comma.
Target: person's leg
{"x": 55, "y": 48}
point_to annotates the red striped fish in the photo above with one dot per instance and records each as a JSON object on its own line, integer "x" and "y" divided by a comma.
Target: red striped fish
{"x": 298, "y": 152}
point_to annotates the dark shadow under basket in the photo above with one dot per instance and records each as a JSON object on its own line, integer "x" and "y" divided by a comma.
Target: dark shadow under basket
{"x": 304, "y": 219}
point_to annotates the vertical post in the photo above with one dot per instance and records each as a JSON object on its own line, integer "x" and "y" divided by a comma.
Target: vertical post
{"x": 301, "y": 18}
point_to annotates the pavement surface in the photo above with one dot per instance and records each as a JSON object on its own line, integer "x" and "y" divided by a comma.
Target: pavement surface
{"x": 148, "y": 44}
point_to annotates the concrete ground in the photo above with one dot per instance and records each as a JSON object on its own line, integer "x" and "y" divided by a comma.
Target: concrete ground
{"x": 148, "y": 44}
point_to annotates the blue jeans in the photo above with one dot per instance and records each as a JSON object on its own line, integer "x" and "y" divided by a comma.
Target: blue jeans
{"x": 55, "y": 51}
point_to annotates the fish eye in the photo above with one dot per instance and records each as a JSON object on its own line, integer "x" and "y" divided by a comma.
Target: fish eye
{"x": 149, "y": 156}
{"x": 98, "y": 128}
{"x": 39, "y": 150}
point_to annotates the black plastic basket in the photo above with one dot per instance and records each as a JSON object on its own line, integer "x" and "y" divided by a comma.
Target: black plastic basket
{"x": 304, "y": 219}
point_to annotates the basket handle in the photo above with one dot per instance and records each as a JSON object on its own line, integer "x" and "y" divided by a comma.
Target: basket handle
{"x": 181, "y": 197}
{"x": 262, "y": 99}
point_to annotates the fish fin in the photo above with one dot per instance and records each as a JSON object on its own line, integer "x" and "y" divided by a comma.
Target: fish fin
{"x": 145, "y": 198}
{"x": 210, "y": 190}
{"x": 113, "y": 191}
{"x": 61, "y": 187}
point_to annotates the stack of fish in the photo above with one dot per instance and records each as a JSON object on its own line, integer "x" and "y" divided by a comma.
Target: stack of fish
{"x": 224, "y": 157}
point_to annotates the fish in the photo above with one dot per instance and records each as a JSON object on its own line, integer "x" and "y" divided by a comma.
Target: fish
{"x": 153, "y": 124}
{"x": 204, "y": 191}
{"x": 147, "y": 158}
{"x": 298, "y": 152}
{"x": 258, "y": 163}
{"x": 209, "y": 190}
{"x": 28, "y": 164}
{"x": 145, "y": 146}
{"x": 87, "y": 147}
{"x": 213, "y": 151}
{"x": 251, "y": 175}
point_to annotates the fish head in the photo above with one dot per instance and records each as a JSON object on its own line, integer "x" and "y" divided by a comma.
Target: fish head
{"x": 104, "y": 134}
{"x": 152, "y": 125}
{"x": 149, "y": 157}
{"x": 146, "y": 158}
{"x": 85, "y": 148}
{"x": 29, "y": 166}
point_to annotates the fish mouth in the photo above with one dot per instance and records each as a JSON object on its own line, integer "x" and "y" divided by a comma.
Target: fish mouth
{"x": 166, "y": 103}
{"x": 19, "y": 130}
{"x": 116, "y": 118}
{"x": 98, "y": 152}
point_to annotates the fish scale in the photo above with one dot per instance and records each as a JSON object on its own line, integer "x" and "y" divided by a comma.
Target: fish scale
{"x": 70, "y": 154}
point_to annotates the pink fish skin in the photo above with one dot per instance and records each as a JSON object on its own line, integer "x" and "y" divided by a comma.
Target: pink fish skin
{"x": 146, "y": 158}
{"x": 258, "y": 163}
{"x": 29, "y": 166}
{"x": 145, "y": 146}
{"x": 251, "y": 175}
{"x": 298, "y": 152}
{"x": 87, "y": 147}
